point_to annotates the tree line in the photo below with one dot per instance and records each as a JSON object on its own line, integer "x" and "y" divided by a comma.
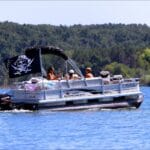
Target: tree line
{"x": 118, "y": 48}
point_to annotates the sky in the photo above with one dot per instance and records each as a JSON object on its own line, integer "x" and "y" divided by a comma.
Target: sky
{"x": 75, "y": 12}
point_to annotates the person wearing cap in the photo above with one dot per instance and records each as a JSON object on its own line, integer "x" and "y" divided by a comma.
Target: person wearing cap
{"x": 105, "y": 75}
{"x": 73, "y": 75}
{"x": 88, "y": 73}
{"x": 51, "y": 74}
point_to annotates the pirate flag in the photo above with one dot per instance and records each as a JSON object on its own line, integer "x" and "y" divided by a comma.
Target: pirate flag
{"x": 23, "y": 64}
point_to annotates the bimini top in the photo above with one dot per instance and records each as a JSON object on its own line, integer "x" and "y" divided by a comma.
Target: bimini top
{"x": 47, "y": 50}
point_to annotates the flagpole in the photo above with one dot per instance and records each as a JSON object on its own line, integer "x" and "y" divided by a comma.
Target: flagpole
{"x": 41, "y": 64}
{"x": 40, "y": 61}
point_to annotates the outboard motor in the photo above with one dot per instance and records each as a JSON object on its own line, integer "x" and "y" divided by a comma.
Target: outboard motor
{"x": 5, "y": 102}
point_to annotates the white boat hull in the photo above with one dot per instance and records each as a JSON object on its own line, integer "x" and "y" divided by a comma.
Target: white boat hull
{"x": 96, "y": 101}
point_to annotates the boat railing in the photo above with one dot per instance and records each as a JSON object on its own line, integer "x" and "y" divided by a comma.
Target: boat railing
{"x": 127, "y": 85}
{"x": 96, "y": 84}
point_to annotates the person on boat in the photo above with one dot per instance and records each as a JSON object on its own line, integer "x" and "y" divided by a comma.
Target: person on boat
{"x": 88, "y": 73}
{"x": 51, "y": 74}
{"x": 105, "y": 75}
{"x": 72, "y": 75}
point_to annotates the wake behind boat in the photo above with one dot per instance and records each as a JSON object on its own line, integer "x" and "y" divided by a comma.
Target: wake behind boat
{"x": 64, "y": 94}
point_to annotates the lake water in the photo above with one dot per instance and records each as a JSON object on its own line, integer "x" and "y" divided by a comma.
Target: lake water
{"x": 91, "y": 130}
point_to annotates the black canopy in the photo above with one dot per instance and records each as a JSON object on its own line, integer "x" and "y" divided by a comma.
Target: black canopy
{"x": 46, "y": 50}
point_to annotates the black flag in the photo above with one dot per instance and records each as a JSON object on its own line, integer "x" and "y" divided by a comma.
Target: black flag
{"x": 23, "y": 64}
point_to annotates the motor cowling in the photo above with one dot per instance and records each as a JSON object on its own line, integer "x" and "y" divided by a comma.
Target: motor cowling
{"x": 5, "y": 102}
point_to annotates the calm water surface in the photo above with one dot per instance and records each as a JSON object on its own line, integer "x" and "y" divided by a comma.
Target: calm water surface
{"x": 45, "y": 130}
